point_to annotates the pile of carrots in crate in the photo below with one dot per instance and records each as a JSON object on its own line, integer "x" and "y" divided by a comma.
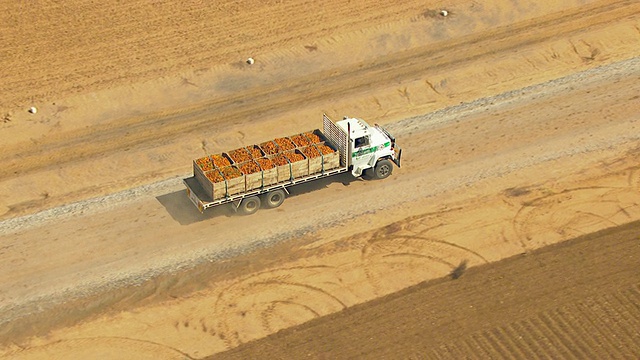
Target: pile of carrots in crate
{"x": 265, "y": 156}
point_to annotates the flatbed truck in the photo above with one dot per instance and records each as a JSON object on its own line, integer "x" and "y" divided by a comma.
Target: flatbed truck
{"x": 258, "y": 175}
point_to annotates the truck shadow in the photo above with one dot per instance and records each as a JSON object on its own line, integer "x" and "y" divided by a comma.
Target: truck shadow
{"x": 345, "y": 179}
{"x": 184, "y": 212}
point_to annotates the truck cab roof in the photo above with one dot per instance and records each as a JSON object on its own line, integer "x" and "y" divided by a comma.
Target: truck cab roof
{"x": 357, "y": 128}
{"x": 354, "y": 127}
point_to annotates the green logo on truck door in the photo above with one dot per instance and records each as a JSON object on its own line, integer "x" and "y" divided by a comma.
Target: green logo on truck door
{"x": 370, "y": 150}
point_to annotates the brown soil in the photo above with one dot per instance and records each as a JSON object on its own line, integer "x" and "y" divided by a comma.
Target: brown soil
{"x": 576, "y": 299}
{"x": 520, "y": 129}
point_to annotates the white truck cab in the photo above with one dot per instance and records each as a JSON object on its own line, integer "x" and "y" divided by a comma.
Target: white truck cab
{"x": 372, "y": 149}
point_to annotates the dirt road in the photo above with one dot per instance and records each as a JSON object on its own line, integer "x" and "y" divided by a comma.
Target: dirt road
{"x": 544, "y": 150}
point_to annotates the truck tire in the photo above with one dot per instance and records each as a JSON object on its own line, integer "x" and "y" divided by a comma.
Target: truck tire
{"x": 383, "y": 169}
{"x": 274, "y": 198}
{"x": 249, "y": 205}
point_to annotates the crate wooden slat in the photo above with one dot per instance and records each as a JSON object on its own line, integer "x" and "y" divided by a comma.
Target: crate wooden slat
{"x": 283, "y": 173}
{"x": 199, "y": 174}
{"x": 252, "y": 180}
{"x": 300, "y": 168}
{"x": 235, "y": 185}
{"x": 261, "y": 178}
{"x": 332, "y": 160}
{"x": 270, "y": 176}
{"x": 215, "y": 190}
{"x": 315, "y": 162}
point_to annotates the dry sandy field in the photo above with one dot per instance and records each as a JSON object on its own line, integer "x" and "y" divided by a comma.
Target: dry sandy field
{"x": 511, "y": 229}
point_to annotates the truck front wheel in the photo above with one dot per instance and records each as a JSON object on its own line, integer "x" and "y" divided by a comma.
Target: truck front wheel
{"x": 249, "y": 205}
{"x": 383, "y": 169}
{"x": 274, "y": 198}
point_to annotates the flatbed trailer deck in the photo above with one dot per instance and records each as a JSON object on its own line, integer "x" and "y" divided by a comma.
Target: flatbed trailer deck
{"x": 203, "y": 201}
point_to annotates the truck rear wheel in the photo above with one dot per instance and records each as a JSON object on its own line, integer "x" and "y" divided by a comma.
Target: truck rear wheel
{"x": 273, "y": 199}
{"x": 383, "y": 169}
{"x": 249, "y": 205}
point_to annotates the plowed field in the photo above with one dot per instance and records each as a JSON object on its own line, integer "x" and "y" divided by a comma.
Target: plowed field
{"x": 519, "y": 123}
{"x": 576, "y": 300}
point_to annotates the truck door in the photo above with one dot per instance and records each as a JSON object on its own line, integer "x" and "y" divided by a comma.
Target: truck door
{"x": 361, "y": 155}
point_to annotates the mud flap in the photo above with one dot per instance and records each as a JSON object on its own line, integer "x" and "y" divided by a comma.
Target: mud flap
{"x": 235, "y": 205}
{"x": 398, "y": 156}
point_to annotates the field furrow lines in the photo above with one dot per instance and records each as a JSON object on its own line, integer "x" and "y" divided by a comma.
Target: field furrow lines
{"x": 471, "y": 347}
{"x": 491, "y": 347}
{"x": 520, "y": 339}
{"x": 498, "y": 343}
{"x": 509, "y": 340}
{"x": 627, "y": 318}
{"x": 553, "y": 336}
{"x": 570, "y": 336}
{"x": 606, "y": 344}
{"x": 538, "y": 348}
{"x": 612, "y": 316}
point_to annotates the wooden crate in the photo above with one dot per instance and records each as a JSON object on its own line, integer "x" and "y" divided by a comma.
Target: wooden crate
{"x": 300, "y": 140}
{"x": 204, "y": 163}
{"x": 299, "y": 168}
{"x": 239, "y": 155}
{"x": 330, "y": 161}
{"x": 255, "y": 149}
{"x": 269, "y": 147}
{"x": 319, "y": 134}
{"x": 284, "y": 144}
{"x": 261, "y": 179}
{"x": 223, "y": 156}
{"x": 252, "y": 180}
{"x": 269, "y": 175}
{"x": 283, "y": 173}
{"x": 321, "y": 163}
{"x": 315, "y": 162}
{"x": 235, "y": 185}
{"x": 199, "y": 174}
{"x": 215, "y": 190}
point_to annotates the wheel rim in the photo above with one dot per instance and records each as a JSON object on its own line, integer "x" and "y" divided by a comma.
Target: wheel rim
{"x": 384, "y": 171}
{"x": 275, "y": 198}
{"x": 251, "y": 205}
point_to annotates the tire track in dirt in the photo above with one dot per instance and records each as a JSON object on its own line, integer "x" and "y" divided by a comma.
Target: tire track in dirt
{"x": 280, "y": 298}
{"x": 106, "y": 347}
{"x": 272, "y": 300}
{"x": 269, "y": 100}
{"x": 574, "y": 212}
{"x": 403, "y": 248}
